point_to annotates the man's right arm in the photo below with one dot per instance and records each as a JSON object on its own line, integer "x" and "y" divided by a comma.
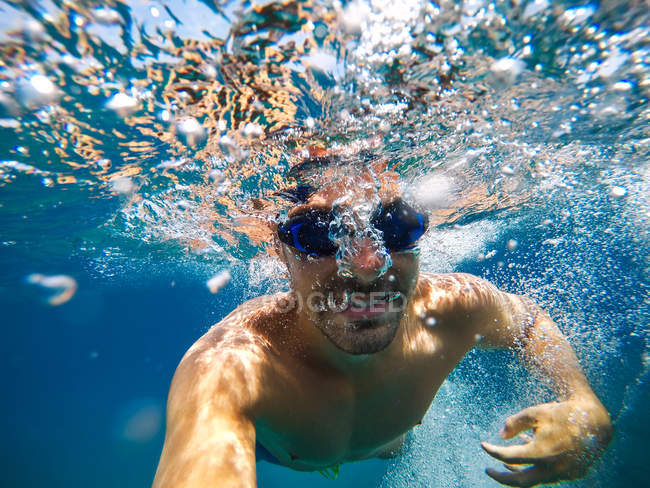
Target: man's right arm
{"x": 210, "y": 437}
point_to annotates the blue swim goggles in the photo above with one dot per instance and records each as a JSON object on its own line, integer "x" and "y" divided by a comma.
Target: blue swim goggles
{"x": 399, "y": 223}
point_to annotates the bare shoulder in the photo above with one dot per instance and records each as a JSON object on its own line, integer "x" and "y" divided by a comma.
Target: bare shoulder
{"x": 241, "y": 328}
{"x": 226, "y": 363}
{"x": 451, "y": 292}
{"x": 477, "y": 306}
{"x": 213, "y": 402}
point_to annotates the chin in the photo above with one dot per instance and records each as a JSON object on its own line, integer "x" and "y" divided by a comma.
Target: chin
{"x": 360, "y": 336}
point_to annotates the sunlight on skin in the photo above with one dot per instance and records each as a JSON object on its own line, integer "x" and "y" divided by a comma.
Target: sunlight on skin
{"x": 235, "y": 383}
{"x": 227, "y": 361}
{"x": 422, "y": 341}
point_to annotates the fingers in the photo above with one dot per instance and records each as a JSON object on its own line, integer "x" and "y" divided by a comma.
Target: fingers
{"x": 519, "y": 454}
{"x": 514, "y": 468}
{"x": 524, "y": 478}
{"x": 524, "y": 420}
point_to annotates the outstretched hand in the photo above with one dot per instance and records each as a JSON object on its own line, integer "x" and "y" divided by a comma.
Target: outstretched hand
{"x": 567, "y": 437}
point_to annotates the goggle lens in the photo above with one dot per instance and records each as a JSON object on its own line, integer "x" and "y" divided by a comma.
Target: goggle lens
{"x": 400, "y": 225}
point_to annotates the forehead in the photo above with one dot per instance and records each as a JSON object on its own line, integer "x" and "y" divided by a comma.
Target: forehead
{"x": 351, "y": 189}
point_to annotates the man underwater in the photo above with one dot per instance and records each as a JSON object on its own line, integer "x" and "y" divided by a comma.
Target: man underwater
{"x": 343, "y": 365}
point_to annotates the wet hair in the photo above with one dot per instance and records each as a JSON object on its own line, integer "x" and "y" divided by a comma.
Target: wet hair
{"x": 298, "y": 194}
{"x": 309, "y": 167}
{"x": 308, "y": 171}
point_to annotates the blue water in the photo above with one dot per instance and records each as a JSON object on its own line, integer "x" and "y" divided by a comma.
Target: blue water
{"x": 551, "y": 154}
{"x": 73, "y": 374}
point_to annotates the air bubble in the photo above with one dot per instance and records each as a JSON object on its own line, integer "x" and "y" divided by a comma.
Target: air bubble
{"x": 165, "y": 116}
{"x": 578, "y": 15}
{"x": 353, "y": 17}
{"x": 252, "y": 130}
{"x": 320, "y": 32}
{"x": 122, "y": 104}
{"x": 34, "y": 30}
{"x": 209, "y": 71}
{"x": 8, "y": 106}
{"x": 434, "y": 191}
{"x": 140, "y": 421}
{"x": 218, "y": 281}
{"x": 430, "y": 321}
{"x": 551, "y": 242}
{"x": 183, "y": 204}
{"x": 104, "y": 164}
{"x": 64, "y": 286}
{"x": 507, "y": 70}
{"x": 80, "y": 21}
{"x": 535, "y": 7}
{"x": 191, "y": 131}
{"x": 216, "y": 176}
{"x": 123, "y": 185}
{"x": 37, "y": 91}
{"x": 228, "y": 146}
{"x": 618, "y": 192}
{"x": 105, "y": 15}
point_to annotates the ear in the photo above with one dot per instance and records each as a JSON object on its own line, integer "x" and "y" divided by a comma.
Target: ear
{"x": 280, "y": 248}
{"x": 274, "y": 246}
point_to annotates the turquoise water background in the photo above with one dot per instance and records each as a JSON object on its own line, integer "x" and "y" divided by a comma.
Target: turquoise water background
{"x": 75, "y": 375}
{"x": 540, "y": 170}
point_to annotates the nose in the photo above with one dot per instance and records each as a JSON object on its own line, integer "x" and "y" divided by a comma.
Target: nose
{"x": 367, "y": 261}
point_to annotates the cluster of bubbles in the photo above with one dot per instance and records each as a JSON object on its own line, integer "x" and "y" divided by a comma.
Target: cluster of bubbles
{"x": 351, "y": 223}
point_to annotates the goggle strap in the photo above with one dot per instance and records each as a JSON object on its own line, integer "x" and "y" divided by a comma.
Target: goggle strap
{"x": 294, "y": 234}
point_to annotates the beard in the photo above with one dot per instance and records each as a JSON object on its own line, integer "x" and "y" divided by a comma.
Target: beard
{"x": 361, "y": 336}
{"x": 356, "y": 332}
{"x": 324, "y": 297}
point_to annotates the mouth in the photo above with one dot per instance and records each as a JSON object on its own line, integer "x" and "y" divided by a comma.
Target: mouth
{"x": 370, "y": 305}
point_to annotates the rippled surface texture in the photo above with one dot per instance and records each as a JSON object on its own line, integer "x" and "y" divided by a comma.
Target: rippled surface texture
{"x": 142, "y": 146}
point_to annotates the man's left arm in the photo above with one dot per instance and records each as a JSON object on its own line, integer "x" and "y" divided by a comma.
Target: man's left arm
{"x": 570, "y": 433}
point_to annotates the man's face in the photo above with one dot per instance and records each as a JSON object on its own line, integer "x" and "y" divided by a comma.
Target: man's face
{"x": 357, "y": 297}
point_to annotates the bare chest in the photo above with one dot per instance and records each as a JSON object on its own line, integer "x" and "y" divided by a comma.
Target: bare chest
{"x": 318, "y": 420}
